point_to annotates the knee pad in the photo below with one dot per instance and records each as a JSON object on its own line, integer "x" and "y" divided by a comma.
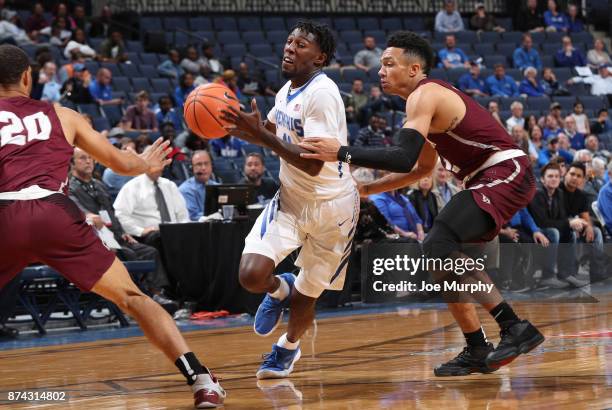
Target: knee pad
{"x": 441, "y": 241}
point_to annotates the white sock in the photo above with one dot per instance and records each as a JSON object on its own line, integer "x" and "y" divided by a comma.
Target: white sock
{"x": 283, "y": 290}
{"x": 286, "y": 344}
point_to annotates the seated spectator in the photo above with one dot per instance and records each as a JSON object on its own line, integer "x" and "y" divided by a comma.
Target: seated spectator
{"x": 165, "y": 112}
{"x": 57, "y": 33}
{"x": 519, "y": 137}
{"x": 471, "y": 83}
{"x": 564, "y": 143}
{"x": 212, "y": 65}
{"x": 78, "y": 15}
{"x": 377, "y": 102}
{"x": 597, "y": 180}
{"x": 530, "y": 18}
{"x": 531, "y": 86}
{"x": 37, "y": 21}
{"x": 500, "y": 84}
{"x": 52, "y": 87}
{"x": 604, "y": 201}
{"x": 254, "y": 169}
{"x": 555, "y": 20}
{"x": 493, "y": 108}
{"x": 76, "y": 88}
{"x": 78, "y": 42}
{"x": 147, "y": 201}
{"x": 574, "y": 19}
{"x": 67, "y": 70}
{"x": 535, "y": 141}
{"x": 139, "y": 117}
{"x": 551, "y": 85}
{"x": 228, "y": 147}
{"x": 576, "y": 138}
{"x": 526, "y": 56}
{"x": 61, "y": 11}
{"x": 250, "y": 83}
{"x": 443, "y": 188}
{"x": 113, "y": 49}
{"x": 171, "y": 68}
{"x": 482, "y": 21}
{"x": 602, "y": 124}
{"x": 451, "y": 56}
{"x": 183, "y": 89}
{"x": 10, "y": 33}
{"x": 591, "y": 143}
{"x": 101, "y": 90}
{"x": 601, "y": 83}
{"x": 376, "y": 134}
{"x": 6, "y": 13}
{"x": 92, "y": 197}
{"x": 424, "y": 202}
{"x": 230, "y": 80}
{"x": 552, "y": 151}
{"x": 191, "y": 62}
{"x": 178, "y": 170}
{"x": 357, "y": 100}
{"x": 194, "y": 188}
{"x": 400, "y": 214}
{"x": 598, "y": 54}
{"x": 100, "y": 25}
{"x": 516, "y": 108}
{"x": 448, "y": 20}
{"x": 555, "y": 112}
{"x": 369, "y": 57}
{"x": 113, "y": 180}
{"x": 568, "y": 56}
{"x": 582, "y": 120}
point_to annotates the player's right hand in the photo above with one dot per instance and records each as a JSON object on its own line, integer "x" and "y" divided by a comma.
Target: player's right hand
{"x": 157, "y": 156}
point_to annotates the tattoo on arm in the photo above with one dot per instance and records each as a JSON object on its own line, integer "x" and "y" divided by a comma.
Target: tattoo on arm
{"x": 452, "y": 124}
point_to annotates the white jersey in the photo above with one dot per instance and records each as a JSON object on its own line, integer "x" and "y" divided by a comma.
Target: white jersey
{"x": 313, "y": 110}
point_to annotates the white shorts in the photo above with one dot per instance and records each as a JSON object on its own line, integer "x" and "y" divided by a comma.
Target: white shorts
{"x": 323, "y": 228}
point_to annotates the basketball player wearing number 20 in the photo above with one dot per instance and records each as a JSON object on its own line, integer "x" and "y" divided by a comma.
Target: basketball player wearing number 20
{"x": 317, "y": 205}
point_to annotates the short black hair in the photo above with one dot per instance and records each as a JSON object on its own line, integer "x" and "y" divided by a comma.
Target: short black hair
{"x": 413, "y": 44}
{"x": 13, "y": 62}
{"x": 257, "y": 155}
{"x": 601, "y": 110}
{"x": 578, "y": 165}
{"x": 323, "y": 35}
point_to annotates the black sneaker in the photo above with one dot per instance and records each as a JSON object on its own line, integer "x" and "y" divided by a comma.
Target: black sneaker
{"x": 470, "y": 360}
{"x": 516, "y": 338}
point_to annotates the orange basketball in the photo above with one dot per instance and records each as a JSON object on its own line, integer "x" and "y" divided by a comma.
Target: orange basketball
{"x": 202, "y": 110}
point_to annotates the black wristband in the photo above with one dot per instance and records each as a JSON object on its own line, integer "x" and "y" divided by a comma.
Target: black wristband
{"x": 344, "y": 155}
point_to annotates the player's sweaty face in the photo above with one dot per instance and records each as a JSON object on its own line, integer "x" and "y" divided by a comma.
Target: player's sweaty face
{"x": 393, "y": 70}
{"x": 301, "y": 49}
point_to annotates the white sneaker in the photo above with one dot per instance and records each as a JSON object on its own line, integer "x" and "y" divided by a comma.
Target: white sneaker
{"x": 207, "y": 392}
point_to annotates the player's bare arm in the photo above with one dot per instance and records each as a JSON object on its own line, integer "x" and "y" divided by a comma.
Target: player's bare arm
{"x": 249, "y": 127}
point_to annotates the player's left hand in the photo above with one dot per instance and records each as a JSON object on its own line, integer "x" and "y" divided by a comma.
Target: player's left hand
{"x": 246, "y": 126}
{"x": 324, "y": 149}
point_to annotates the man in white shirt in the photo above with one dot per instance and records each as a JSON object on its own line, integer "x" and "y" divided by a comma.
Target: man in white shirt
{"x": 601, "y": 84}
{"x": 517, "y": 116}
{"x": 449, "y": 20}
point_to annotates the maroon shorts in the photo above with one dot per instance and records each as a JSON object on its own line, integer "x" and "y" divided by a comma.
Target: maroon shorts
{"x": 52, "y": 231}
{"x": 502, "y": 190}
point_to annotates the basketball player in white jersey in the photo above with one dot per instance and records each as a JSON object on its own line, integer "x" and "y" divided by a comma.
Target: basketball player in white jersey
{"x": 317, "y": 205}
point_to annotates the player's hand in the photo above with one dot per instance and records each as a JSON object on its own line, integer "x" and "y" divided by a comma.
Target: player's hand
{"x": 324, "y": 149}
{"x": 157, "y": 156}
{"x": 539, "y": 237}
{"x": 244, "y": 125}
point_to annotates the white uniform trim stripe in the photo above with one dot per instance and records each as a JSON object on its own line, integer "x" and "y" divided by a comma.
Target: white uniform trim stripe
{"x": 501, "y": 181}
{"x": 31, "y": 192}
{"x": 471, "y": 143}
{"x": 494, "y": 160}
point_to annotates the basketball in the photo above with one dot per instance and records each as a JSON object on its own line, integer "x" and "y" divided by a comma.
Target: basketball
{"x": 202, "y": 110}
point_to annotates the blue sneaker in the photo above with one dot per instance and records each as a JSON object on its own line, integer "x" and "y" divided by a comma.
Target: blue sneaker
{"x": 270, "y": 311}
{"x": 279, "y": 363}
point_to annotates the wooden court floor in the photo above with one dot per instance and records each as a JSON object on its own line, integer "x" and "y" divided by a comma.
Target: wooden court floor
{"x": 366, "y": 361}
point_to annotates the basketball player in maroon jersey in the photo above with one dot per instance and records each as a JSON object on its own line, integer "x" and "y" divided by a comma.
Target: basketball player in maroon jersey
{"x": 443, "y": 121}
{"x": 38, "y": 223}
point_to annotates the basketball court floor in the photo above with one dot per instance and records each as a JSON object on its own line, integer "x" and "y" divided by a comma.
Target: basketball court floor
{"x": 359, "y": 358}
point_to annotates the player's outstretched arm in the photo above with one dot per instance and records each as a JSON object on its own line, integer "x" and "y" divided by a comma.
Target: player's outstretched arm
{"x": 249, "y": 127}
{"x": 124, "y": 162}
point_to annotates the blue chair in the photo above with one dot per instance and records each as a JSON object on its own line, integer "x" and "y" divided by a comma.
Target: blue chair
{"x": 379, "y": 36}
{"x": 506, "y": 49}
{"x": 249, "y": 23}
{"x": 134, "y": 45}
{"x": 228, "y": 177}
{"x": 149, "y": 71}
{"x": 455, "y": 73}
{"x": 492, "y": 60}
{"x": 415, "y": 24}
{"x": 129, "y": 70}
{"x": 222, "y": 164}
{"x": 113, "y": 113}
{"x": 391, "y": 24}
{"x": 512, "y": 37}
{"x": 554, "y": 37}
{"x": 101, "y": 124}
{"x": 483, "y": 49}
{"x": 593, "y": 102}
{"x": 467, "y": 37}
{"x": 344, "y": 23}
{"x": 248, "y": 148}
{"x": 582, "y": 37}
{"x": 367, "y": 23}
{"x": 261, "y": 50}
{"x": 141, "y": 84}
{"x": 172, "y": 23}
{"x": 122, "y": 83}
{"x": 150, "y": 23}
{"x": 225, "y": 23}
{"x": 277, "y": 36}
{"x": 274, "y": 24}
{"x": 90, "y": 109}
{"x": 438, "y": 73}
{"x": 200, "y": 23}
{"x": 351, "y": 36}
{"x": 550, "y": 48}
{"x": 489, "y": 37}
{"x": 351, "y": 74}
{"x": 538, "y": 103}
{"x": 229, "y": 37}
{"x": 161, "y": 85}
{"x": 149, "y": 58}
{"x": 254, "y": 37}
{"x": 234, "y": 50}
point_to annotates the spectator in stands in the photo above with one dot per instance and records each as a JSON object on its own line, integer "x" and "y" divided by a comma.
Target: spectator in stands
{"x": 194, "y": 188}
{"x": 113, "y": 180}
{"x": 10, "y": 33}
{"x": 100, "y": 26}
{"x": 552, "y": 151}
{"x": 443, "y": 189}
{"x": 145, "y": 202}
{"x": 451, "y": 56}
{"x": 598, "y": 54}
{"x": 493, "y": 108}
{"x": 254, "y": 169}
{"x": 78, "y": 42}
{"x": 183, "y": 89}
{"x": 400, "y": 214}
{"x": 531, "y": 19}
{"x": 551, "y": 127}
{"x": 166, "y": 113}
{"x": 250, "y": 83}
{"x": 67, "y": 70}
{"x": 582, "y": 120}
{"x": 602, "y": 124}
{"x": 592, "y": 144}
{"x": 171, "y": 68}
{"x": 568, "y": 56}
{"x": 57, "y": 33}
{"x": 601, "y": 83}
{"x": 8, "y": 14}
{"x": 535, "y": 140}
{"x": 178, "y": 170}
{"x": 52, "y": 86}
{"x": 574, "y": 19}
{"x": 112, "y": 50}
{"x": 36, "y": 21}
{"x": 377, "y": 102}
{"x": 230, "y": 80}
{"x": 500, "y": 84}
{"x": 564, "y": 143}
{"x": 516, "y": 108}
{"x": 555, "y": 112}
{"x": 448, "y": 20}
{"x": 597, "y": 179}
{"x": 519, "y": 137}
{"x": 554, "y": 19}
{"x": 228, "y": 147}
{"x": 604, "y": 201}
{"x": 369, "y": 57}
{"x": 376, "y": 134}
{"x": 576, "y": 138}
{"x": 101, "y": 90}
{"x": 61, "y": 11}
{"x": 424, "y": 202}
{"x": 482, "y": 21}
{"x": 526, "y": 56}
{"x": 92, "y": 197}
{"x": 471, "y": 83}
{"x": 550, "y": 83}
{"x": 355, "y": 102}
{"x": 531, "y": 86}
{"x": 210, "y": 62}
{"x": 78, "y": 15}
{"x": 139, "y": 117}
{"x": 142, "y": 142}
{"x": 76, "y": 88}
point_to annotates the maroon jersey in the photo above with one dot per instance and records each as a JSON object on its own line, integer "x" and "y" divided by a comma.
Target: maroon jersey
{"x": 33, "y": 148}
{"x": 465, "y": 148}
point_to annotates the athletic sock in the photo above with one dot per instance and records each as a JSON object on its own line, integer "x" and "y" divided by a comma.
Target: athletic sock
{"x": 477, "y": 338}
{"x": 190, "y": 367}
{"x": 286, "y": 344}
{"x": 283, "y": 290}
{"x": 503, "y": 314}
